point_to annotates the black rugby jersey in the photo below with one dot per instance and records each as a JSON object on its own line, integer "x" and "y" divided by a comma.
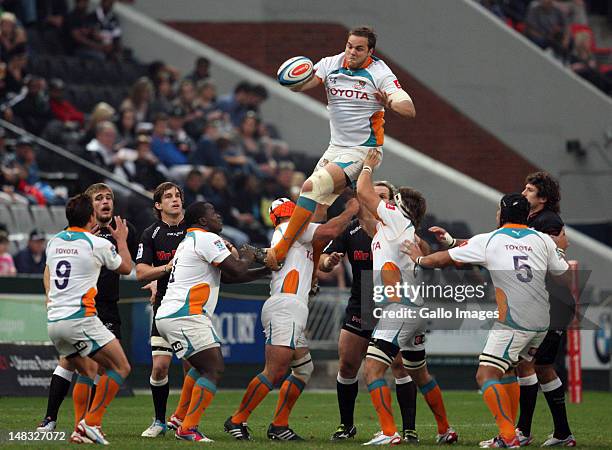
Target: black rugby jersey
{"x": 108, "y": 281}
{"x": 355, "y": 243}
{"x": 157, "y": 246}
{"x": 562, "y": 303}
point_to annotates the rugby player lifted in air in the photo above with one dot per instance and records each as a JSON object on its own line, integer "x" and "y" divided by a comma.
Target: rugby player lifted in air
{"x": 360, "y": 88}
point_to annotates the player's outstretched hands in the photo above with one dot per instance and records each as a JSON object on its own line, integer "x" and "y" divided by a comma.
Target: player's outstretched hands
{"x": 120, "y": 232}
{"x": 333, "y": 260}
{"x": 372, "y": 159}
{"x": 561, "y": 240}
{"x": 411, "y": 249}
{"x": 352, "y": 206}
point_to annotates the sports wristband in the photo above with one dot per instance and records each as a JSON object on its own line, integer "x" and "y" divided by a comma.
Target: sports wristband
{"x": 418, "y": 260}
{"x": 448, "y": 240}
{"x": 368, "y": 168}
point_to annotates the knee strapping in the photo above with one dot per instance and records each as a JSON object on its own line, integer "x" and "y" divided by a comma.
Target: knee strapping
{"x": 322, "y": 187}
{"x": 302, "y": 368}
{"x": 382, "y": 351}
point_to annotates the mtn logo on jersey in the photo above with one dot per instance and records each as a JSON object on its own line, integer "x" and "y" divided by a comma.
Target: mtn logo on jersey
{"x": 390, "y": 206}
{"x": 397, "y": 84}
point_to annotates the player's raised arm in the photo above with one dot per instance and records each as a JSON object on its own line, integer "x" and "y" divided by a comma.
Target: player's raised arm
{"x": 335, "y": 226}
{"x": 120, "y": 233}
{"x": 434, "y": 260}
{"x": 236, "y": 269}
{"x": 366, "y": 194}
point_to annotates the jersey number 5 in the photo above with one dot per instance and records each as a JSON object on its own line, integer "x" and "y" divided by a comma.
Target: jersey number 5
{"x": 527, "y": 276}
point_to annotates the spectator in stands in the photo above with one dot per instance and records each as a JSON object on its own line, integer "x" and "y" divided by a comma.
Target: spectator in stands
{"x": 11, "y": 34}
{"x": 16, "y": 72}
{"x": 82, "y": 36}
{"x": 217, "y": 192}
{"x": 186, "y": 99}
{"x": 139, "y": 99}
{"x": 101, "y": 112}
{"x": 256, "y": 96}
{"x": 251, "y": 144}
{"x": 177, "y": 133}
{"x": 574, "y": 11}
{"x": 148, "y": 172}
{"x": 156, "y": 68}
{"x": 207, "y": 152}
{"x": 200, "y": 71}
{"x": 284, "y": 176}
{"x": 516, "y": 10}
{"x": 9, "y": 175}
{"x": 103, "y": 152}
{"x": 108, "y": 28}
{"x": 495, "y": 7}
{"x": 7, "y": 266}
{"x": 30, "y": 183}
{"x": 246, "y": 207}
{"x": 51, "y": 13}
{"x": 162, "y": 146}
{"x": 32, "y": 259}
{"x": 61, "y": 108}
{"x": 163, "y": 94}
{"x": 193, "y": 189}
{"x": 237, "y": 104}
{"x": 206, "y": 97}
{"x": 34, "y": 110}
{"x": 583, "y": 63}
{"x": 546, "y": 26}
{"x": 126, "y": 127}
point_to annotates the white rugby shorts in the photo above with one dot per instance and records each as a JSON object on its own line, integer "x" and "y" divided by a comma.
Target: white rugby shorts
{"x": 284, "y": 319}
{"x": 505, "y": 345}
{"x": 83, "y": 336}
{"x": 406, "y": 333}
{"x": 188, "y": 335}
{"x": 350, "y": 159}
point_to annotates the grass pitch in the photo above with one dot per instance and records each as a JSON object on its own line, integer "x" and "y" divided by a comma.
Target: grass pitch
{"x": 315, "y": 417}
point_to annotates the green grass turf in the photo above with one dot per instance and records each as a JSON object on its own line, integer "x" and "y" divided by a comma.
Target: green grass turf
{"x": 315, "y": 417}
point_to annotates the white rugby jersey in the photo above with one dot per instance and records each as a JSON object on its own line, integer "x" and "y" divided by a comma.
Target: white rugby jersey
{"x": 295, "y": 276}
{"x": 74, "y": 259}
{"x": 356, "y": 117}
{"x": 518, "y": 259}
{"x": 389, "y": 264}
{"x": 193, "y": 287}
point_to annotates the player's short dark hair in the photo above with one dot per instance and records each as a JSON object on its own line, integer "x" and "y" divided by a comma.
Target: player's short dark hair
{"x": 194, "y": 212}
{"x": 366, "y": 32}
{"x": 159, "y": 193}
{"x": 548, "y": 188}
{"x": 79, "y": 210}
{"x": 514, "y": 208}
{"x": 416, "y": 204}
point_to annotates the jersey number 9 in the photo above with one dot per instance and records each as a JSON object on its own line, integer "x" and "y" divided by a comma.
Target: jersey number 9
{"x": 62, "y": 270}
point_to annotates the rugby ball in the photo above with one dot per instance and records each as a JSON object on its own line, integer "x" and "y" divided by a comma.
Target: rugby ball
{"x": 295, "y": 71}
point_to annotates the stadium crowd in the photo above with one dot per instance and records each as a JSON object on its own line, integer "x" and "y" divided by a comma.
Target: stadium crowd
{"x": 560, "y": 28}
{"x": 169, "y": 126}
